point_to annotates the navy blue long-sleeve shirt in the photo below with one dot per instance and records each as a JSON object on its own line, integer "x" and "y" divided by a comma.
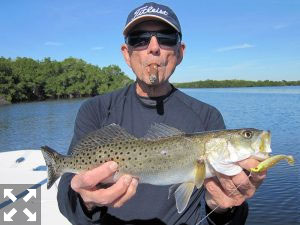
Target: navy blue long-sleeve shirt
{"x": 150, "y": 204}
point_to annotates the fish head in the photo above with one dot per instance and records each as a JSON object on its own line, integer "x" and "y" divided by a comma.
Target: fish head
{"x": 244, "y": 143}
{"x": 262, "y": 145}
{"x": 227, "y": 147}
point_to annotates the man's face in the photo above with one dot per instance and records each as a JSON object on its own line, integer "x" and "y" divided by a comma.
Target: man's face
{"x": 166, "y": 58}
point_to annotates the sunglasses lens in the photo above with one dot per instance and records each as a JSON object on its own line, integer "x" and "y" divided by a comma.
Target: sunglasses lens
{"x": 167, "y": 39}
{"x": 138, "y": 41}
{"x": 142, "y": 39}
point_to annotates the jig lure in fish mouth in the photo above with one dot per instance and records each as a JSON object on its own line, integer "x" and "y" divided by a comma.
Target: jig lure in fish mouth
{"x": 272, "y": 161}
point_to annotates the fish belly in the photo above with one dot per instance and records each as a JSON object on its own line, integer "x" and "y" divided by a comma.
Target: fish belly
{"x": 168, "y": 177}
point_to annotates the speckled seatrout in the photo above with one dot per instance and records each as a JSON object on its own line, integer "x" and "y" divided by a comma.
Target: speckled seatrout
{"x": 164, "y": 156}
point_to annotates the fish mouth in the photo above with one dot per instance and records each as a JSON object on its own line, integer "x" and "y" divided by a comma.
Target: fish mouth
{"x": 262, "y": 145}
{"x": 265, "y": 142}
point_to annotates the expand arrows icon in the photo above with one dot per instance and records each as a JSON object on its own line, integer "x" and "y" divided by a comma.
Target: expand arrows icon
{"x": 7, "y": 193}
{"x": 8, "y": 216}
{"x": 31, "y": 193}
{"x": 31, "y": 216}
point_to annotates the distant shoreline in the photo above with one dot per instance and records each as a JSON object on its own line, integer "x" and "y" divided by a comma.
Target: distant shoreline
{"x": 217, "y": 84}
{"x": 235, "y": 83}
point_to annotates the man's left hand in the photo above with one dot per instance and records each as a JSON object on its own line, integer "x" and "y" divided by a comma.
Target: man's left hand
{"x": 226, "y": 192}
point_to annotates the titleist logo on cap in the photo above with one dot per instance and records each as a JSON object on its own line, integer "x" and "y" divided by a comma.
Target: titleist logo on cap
{"x": 156, "y": 11}
{"x": 148, "y": 9}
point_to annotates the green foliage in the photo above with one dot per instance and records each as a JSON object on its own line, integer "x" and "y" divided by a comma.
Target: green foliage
{"x": 235, "y": 83}
{"x": 6, "y": 79}
{"x": 25, "y": 79}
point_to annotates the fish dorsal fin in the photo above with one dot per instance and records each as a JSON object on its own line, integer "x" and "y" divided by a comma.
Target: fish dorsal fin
{"x": 160, "y": 130}
{"x": 105, "y": 135}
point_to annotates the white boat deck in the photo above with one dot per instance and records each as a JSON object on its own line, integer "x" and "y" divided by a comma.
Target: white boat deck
{"x": 31, "y": 170}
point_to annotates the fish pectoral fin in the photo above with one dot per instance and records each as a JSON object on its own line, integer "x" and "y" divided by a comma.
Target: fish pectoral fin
{"x": 200, "y": 173}
{"x": 182, "y": 195}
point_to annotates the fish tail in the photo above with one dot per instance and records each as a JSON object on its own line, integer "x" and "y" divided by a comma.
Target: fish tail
{"x": 52, "y": 162}
{"x": 290, "y": 160}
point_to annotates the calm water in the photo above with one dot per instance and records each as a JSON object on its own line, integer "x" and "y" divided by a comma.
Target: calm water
{"x": 31, "y": 125}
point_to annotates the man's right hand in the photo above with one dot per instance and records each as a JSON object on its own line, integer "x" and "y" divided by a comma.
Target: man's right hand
{"x": 115, "y": 196}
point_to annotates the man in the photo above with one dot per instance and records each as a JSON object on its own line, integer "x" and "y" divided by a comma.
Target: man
{"x": 153, "y": 49}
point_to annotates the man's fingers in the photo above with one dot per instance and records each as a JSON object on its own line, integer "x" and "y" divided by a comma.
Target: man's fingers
{"x": 228, "y": 191}
{"x": 256, "y": 178}
{"x": 243, "y": 183}
{"x": 91, "y": 178}
{"x": 128, "y": 195}
{"x": 248, "y": 163}
{"x": 216, "y": 196}
{"x": 109, "y": 195}
{"x": 230, "y": 188}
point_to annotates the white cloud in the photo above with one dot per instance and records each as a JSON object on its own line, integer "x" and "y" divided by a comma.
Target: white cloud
{"x": 280, "y": 26}
{"x": 97, "y": 48}
{"x": 51, "y": 43}
{"x": 234, "y": 47}
{"x": 225, "y": 68}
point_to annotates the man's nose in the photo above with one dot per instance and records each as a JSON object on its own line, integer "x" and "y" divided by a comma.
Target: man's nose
{"x": 153, "y": 47}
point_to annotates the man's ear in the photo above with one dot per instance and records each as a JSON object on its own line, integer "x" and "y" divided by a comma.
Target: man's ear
{"x": 126, "y": 55}
{"x": 180, "y": 53}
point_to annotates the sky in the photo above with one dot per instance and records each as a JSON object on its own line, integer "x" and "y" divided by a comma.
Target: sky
{"x": 232, "y": 39}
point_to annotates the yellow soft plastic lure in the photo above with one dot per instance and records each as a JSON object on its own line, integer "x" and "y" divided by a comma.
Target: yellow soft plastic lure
{"x": 272, "y": 161}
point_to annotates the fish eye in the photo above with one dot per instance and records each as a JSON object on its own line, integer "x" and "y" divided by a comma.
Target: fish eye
{"x": 247, "y": 134}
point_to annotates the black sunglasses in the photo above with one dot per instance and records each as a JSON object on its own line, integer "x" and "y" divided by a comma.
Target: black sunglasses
{"x": 141, "y": 39}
